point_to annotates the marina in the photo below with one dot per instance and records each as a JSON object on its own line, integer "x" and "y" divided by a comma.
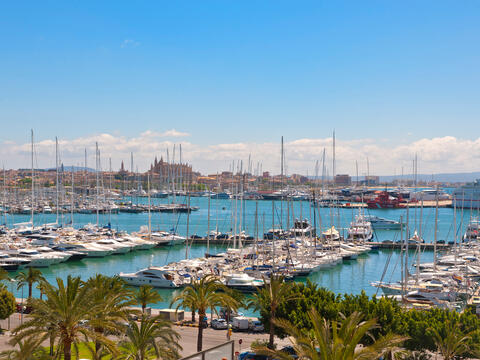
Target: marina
{"x": 350, "y": 275}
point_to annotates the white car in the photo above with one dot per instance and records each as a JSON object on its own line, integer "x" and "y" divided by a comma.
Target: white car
{"x": 219, "y": 324}
{"x": 256, "y": 326}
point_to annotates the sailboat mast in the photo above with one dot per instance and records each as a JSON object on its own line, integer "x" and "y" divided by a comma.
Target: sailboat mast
{"x": 282, "y": 192}
{"x": 33, "y": 186}
{"x": 149, "y": 206}
{"x": 57, "y": 205}
{"x": 72, "y": 200}
{"x": 97, "y": 185}
{"x": 4, "y": 196}
{"x": 435, "y": 232}
{"x": 208, "y": 223}
{"x": 333, "y": 160}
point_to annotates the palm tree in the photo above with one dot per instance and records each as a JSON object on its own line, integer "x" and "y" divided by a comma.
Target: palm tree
{"x": 4, "y": 276}
{"x": 61, "y": 317}
{"x": 147, "y": 295}
{"x": 334, "y": 340}
{"x": 112, "y": 303}
{"x": 452, "y": 343}
{"x": 29, "y": 278}
{"x": 152, "y": 337}
{"x": 203, "y": 294}
{"x": 29, "y": 349}
{"x": 267, "y": 300}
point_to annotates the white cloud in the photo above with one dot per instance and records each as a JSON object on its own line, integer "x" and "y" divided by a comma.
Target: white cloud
{"x": 435, "y": 155}
{"x": 129, "y": 43}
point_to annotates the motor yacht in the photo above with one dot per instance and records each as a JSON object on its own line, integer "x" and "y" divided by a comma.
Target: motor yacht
{"x": 38, "y": 259}
{"x": 153, "y": 276}
{"x": 118, "y": 248}
{"x": 243, "y": 282}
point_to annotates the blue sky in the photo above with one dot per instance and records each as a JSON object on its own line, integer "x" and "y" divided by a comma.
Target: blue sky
{"x": 241, "y": 71}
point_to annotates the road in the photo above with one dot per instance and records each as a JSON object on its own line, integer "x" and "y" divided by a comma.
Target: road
{"x": 188, "y": 339}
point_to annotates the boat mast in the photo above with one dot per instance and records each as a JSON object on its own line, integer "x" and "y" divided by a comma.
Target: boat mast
{"x": 333, "y": 160}
{"x": 33, "y": 185}
{"x": 110, "y": 191}
{"x": 281, "y": 186}
{"x": 97, "y": 184}
{"x": 435, "y": 232}
{"x": 4, "y": 196}
{"x": 208, "y": 223}
{"x": 71, "y": 205}
{"x": 149, "y": 210}
{"x": 419, "y": 241}
{"x": 57, "y": 205}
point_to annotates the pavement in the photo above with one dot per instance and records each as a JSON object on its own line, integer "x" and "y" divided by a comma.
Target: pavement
{"x": 188, "y": 341}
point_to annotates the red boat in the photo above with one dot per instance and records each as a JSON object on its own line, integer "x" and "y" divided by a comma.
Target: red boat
{"x": 384, "y": 201}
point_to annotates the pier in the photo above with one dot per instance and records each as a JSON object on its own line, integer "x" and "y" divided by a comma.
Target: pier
{"x": 381, "y": 245}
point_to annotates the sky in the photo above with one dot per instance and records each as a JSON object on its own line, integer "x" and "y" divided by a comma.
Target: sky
{"x": 226, "y": 79}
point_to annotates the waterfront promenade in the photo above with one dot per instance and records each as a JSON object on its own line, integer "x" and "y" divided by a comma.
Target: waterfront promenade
{"x": 188, "y": 335}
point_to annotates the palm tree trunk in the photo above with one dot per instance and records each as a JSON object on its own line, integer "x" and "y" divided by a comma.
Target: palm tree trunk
{"x": 67, "y": 349}
{"x": 30, "y": 285}
{"x": 143, "y": 308}
{"x": 272, "y": 333}
{"x": 193, "y": 315}
{"x": 200, "y": 333}
{"x": 52, "y": 344}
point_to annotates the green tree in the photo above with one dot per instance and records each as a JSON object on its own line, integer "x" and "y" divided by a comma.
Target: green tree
{"x": 452, "y": 343}
{"x": 203, "y": 294}
{"x": 153, "y": 337}
{"x": 8, "y": 303}
{"x": 334, "y": 340}
{"x": 61, "y": 317}
{"x": 145, "y": 295}
{"x": 29, "y": 278}
{"x": 4, "y": 275}
{"x": 268, "y": 299}
{"x": 111, "y": 306}
{"x": 28, "y": 349}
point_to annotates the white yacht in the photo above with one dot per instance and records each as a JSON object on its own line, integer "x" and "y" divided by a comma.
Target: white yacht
{"x": 360, "y": 229}
{"x": 166, "y": 238}
{"x": 379, "y": 223}
{"x": 331, "y": 234}
{"x": 49, "y": 251}
{"x": 38, "y": 259}
{"x": 429, "y": 195}
{"x": 243, "y": 282}
{"x": 118, "y": 248}
{"x": 93, "y": 250}
{"x": 153, "y": 276}
{"x": 302, "y": 229}
{"x": 140, "y": 244}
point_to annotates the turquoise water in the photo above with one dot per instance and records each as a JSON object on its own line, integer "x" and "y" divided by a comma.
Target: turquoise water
{"x": 348, "y": 277}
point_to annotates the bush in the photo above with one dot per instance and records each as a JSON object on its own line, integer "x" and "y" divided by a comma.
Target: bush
{"x": 418, "y": 325}
{"x": 7, "y": 304}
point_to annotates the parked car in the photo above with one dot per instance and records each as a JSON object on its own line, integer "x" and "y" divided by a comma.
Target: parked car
{"x": 290, "y": 351}
{"x": 219, "y": 324}
{"x": 256, "y": 326}
{"x": 248, "y": 355}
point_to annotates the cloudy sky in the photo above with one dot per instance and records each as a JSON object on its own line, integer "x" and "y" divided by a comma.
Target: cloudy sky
{"x": 435, "y": 155}
{"x": 227, "y": 79}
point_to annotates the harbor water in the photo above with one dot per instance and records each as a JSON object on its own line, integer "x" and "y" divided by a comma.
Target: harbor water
{"x": 351, "y": 276}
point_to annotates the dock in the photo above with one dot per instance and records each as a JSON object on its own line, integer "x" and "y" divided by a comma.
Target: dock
{"x": 381, "y": 245}
{"x": 426, "y": 204}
